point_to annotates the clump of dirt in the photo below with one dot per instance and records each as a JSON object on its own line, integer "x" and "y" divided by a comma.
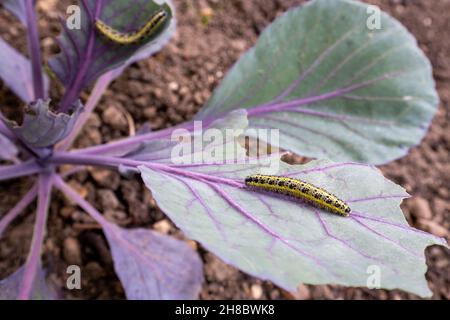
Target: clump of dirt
{"x": 169, "y": 89}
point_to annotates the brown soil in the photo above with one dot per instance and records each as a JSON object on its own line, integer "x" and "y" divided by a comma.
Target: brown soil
{"x": 169, "y": 89}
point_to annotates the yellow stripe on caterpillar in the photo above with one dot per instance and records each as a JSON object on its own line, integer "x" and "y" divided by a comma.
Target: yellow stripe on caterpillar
{"x": 135, "y": 37}
{"x": 299, "y": 189}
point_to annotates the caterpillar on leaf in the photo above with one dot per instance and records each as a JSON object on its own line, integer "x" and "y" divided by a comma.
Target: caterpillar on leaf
{"x": 134, "y": 37}
{"x": 299, "y": 189}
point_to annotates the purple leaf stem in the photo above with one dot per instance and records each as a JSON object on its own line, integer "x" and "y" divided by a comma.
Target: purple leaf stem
{"x": 282, "y": 106}
{"x": 76, "y": 86}
{"x": 71, "y": 158}
{"x": 18, "y": 209}
{"x": 31, "y": 266}
{"x": 86, "y": 206}
{"x": 99, "y": 88}
{"x": 118, "y": 146}
{"x": 72, "y": 171}
{"x": 113, "y": 148}
{"x": 19, "y": 170}
{"x": 35, "y": 51}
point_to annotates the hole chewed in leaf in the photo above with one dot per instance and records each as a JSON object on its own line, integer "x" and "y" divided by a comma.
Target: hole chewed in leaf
{"x": 43, "y": 128}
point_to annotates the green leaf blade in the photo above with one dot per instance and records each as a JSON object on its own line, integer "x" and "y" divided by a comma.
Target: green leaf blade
{"x": 290, "y": 243}
{"x": 334, "y": 88}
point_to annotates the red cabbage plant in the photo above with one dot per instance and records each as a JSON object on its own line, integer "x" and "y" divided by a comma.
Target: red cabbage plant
{"x": 337, "y": 89}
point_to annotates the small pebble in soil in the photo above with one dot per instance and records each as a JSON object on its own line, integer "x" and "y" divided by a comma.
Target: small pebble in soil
{"x": 114, "y": 116}
{"x": 150, "y": 112}
{"x": 442, "y": 264}
{"x": 217, "y": 270}
{"x": 192, "y": 244}
{"x": 142, "y": 101}
{"x": 118, "y": 216}
{"x": 433, "y": 227}
{"x": 106, "y": 178}
{"x": 256, "y": 291}
{"x": 427, "y": 22}
{"x": 173, "y": 86}
{"x": 90, "y": 137}
{"x": 441, "y": 206}
{"x": 162, "y": 226}
{"x": 302, "y": 293}
{"x": 72, "y": 251}
{"x": 107, "y": 199}
{"x": 420, "y": 208}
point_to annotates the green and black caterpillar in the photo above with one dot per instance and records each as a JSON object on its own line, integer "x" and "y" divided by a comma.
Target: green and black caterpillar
{"x": 299, "y": 189}
{"x": 134, "y": 37}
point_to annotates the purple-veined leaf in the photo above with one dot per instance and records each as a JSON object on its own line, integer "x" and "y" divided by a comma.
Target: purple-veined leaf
{"x": 43, "y": 128}
{"x": 193, "y": 142}
{"x": 15, "y": 71}
{"x": 42, "y": 290}
{"x": 16, "y": 7}
{"x": 8, "y": 150}
{"x": 153, "y": 266}
{"x": 155, "y": 151}
{"x": 86, "y": 55}
{"x": 291, "y": 243}
{"x": 149, "y": 265}
{"x": 335, "y": 85}
{"x": 26, "y": 168}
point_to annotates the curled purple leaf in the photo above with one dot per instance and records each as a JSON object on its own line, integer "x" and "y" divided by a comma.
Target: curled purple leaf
{"x": 41, "y": 127}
